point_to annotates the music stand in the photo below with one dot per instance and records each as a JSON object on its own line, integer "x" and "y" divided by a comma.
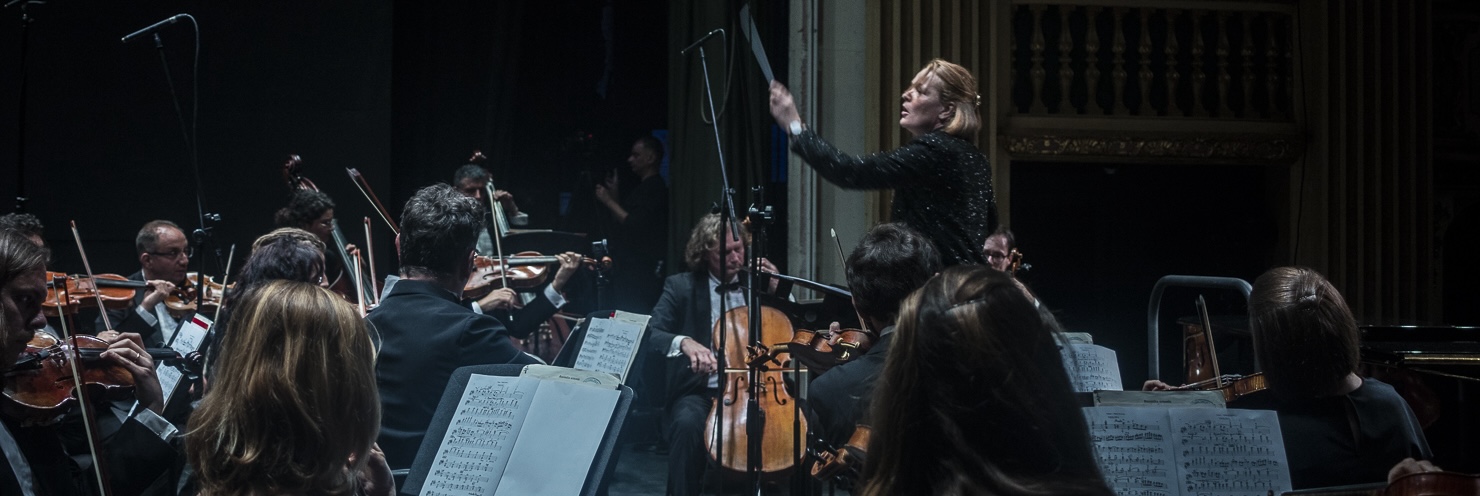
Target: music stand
{"x": 448, "y": 406}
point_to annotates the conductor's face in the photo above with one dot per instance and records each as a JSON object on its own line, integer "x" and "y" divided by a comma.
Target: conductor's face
{"x": 729, "y": 260}
{"x": 922, "y": 110}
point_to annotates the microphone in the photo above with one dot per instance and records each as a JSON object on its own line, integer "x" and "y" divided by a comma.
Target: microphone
{"x": 170, "y": 20}
{"x": 691, "y": 46}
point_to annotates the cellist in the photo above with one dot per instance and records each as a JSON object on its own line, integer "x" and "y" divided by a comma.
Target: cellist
{"x": 680, "y": 329}
{"x": 33, "y": 460}
{"x": 890, "y": 262}
{"x": 313, "y": 211}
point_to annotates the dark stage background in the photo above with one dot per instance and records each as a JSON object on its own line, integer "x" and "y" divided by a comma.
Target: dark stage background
{"x": 553, "y": 92}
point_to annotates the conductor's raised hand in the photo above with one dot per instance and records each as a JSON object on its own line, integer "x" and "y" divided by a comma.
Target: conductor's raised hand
{"x": 701, "y": 359}
{"x": 783, "y": 109}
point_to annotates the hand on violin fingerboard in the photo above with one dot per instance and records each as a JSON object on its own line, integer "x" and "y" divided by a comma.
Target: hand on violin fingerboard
{"x": 128, "y": 350}
{"x": 570, "y": 262}
{"x": 1155, "y": 385}
{"x": 1411, "y": 466}
{"x": 162, "y": 290}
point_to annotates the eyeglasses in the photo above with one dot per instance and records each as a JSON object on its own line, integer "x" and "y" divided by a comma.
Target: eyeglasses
{"x": 188, "y": 252}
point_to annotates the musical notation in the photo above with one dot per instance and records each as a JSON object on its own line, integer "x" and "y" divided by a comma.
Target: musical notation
{"x": 1091, "y": 367}
{"x": 609, "y": 346}
{"x": 480, "y": 437}
{"x": 1210, "y": 451}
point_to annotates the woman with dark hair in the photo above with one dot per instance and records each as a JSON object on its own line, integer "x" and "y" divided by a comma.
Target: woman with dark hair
{"x": 284, "y": 254}
{"x": 942, "y": 184}
{"x": 1339, "y": 428}
{"x": 297, "y": 409}
{"x": 974, "y": 398}
{"x": 313, "y": 211}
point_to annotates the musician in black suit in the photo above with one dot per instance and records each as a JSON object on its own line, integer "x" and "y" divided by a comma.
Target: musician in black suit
{"x": 425, "y": 331}
{"x": 890, "y": 262}
{"x": 681, "y": 328}
{"x": 34, "y": 459}
{"x": 164, "y": 258}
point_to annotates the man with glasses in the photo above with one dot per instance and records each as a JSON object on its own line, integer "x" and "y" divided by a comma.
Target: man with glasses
{"x": 164, "y": 257}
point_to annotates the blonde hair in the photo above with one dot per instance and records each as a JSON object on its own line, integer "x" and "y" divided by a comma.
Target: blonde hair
{"x": 704, "y": 239}
{"x": 958, "y": 89}
{"x": 294, "y": 398}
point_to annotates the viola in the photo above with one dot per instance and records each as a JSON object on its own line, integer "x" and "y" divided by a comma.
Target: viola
{"x": 66, "y": 294}
{"x": 729, "y": 443}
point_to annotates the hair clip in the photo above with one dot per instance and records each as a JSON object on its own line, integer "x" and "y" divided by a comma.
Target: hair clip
{"x": 967, "y": 302}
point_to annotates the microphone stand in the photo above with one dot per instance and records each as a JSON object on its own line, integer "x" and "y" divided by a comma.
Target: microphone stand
{"x": 201, "y": 237}
{"x": 727, "y": 226}
{"x": 755, "y": 425}
{"x": 20, "y": 134}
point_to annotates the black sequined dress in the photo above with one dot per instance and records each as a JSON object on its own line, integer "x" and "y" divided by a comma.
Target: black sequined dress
{"x": 942, "y": 187}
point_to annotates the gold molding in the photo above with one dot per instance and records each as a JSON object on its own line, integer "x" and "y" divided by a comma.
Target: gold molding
{"x": 1266, "y": 149}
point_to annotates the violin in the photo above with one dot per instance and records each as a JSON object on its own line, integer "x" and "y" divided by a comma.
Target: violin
{"x": 1433, "y": 484}
{"x": 824, "y": 349}
{"x": 1233, "y": 386}
{"x": 183, "y": 301}
{"x": 65, "y": 294}
{"x": 729, "y": 443}
{"x": 38, "y": 388}
{"x": 844, "y": 464}
{"x": 525, "y": 269}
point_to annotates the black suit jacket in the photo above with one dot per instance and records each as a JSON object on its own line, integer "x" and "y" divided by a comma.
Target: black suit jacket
{"x": 128, "y": 319}
{"x": 682, "y": 310}
{"x": 525, "y": 320}
{"x": 839, "y": 399}
{"x": 135, "y": 457}
{"x": 425, "y": 334}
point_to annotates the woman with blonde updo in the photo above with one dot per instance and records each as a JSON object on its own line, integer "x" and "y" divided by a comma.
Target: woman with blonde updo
{"x": 942, "y": 184}
{"x": 295, "y": 409}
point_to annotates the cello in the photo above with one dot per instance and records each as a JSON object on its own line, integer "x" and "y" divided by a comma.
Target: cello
{"x": 293, "y": 174}
{"x": 727, "y": 436}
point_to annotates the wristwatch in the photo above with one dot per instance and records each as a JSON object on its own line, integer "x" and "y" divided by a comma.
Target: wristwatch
{"x": 796, "y": 127}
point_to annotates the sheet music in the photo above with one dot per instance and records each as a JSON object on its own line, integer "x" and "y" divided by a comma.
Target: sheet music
{"x": 561, "y": 435}
{"x": 1137, "y": 455}
{"x": 611, "y": 345}
{"x": 480, "y": 436}
{"x": 187, "y": 340}
{"x": 1159, "y": 451}
{"x": 1231, "y": 452}
{"x": 1091, "y": 367}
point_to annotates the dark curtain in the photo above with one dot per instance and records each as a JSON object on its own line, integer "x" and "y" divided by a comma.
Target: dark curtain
{"x": 741, "y": 98}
